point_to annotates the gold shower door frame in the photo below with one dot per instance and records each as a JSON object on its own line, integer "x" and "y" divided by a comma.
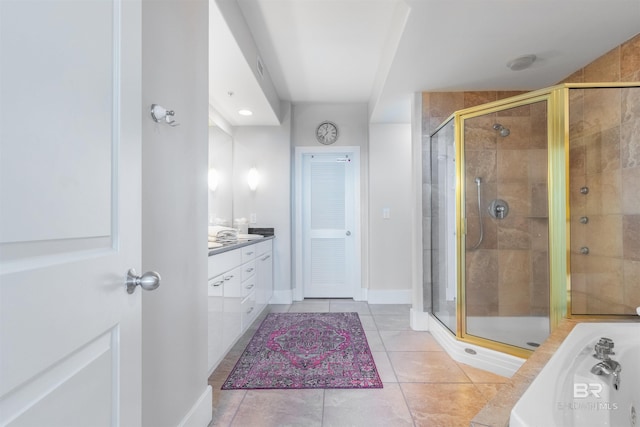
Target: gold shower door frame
{"x": 557, "y": 158}
{"x": 557, "y": 98}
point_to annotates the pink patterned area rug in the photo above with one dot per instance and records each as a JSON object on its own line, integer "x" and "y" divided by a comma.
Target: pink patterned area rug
{"x": 306, "y": 350}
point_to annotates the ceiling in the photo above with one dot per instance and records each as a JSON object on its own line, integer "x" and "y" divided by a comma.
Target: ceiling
{"x": 380, "y": 52}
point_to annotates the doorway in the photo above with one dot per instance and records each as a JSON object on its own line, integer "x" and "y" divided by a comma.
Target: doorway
{"x": 327, "y": 211}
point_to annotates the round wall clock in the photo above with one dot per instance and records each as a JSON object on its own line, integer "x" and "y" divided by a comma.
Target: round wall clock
{"x": 327, "y": 133}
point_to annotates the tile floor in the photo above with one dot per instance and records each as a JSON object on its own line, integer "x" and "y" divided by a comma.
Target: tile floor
{"x": 423, "y": 386}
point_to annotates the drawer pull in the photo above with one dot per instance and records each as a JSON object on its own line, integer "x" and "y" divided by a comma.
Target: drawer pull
{"x": 249, "y": 270}
{"x": 218, "y": 283}
{"x": 249, "y": 286}
{"x": 229, "y": 277}
{"x": 250, "y": 310}
{"x": 249, "y": 253}
{"x": 266, "y": 257}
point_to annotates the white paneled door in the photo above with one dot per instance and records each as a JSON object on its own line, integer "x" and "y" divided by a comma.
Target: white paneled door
{"x": 329, "y": 232}
{"x": 69, "y": 212}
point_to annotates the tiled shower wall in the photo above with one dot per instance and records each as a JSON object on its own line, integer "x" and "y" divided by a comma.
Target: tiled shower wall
{"x": 620, "y": 64}
{"x": 508, "y": 275}
{"x": 604, "y": 141}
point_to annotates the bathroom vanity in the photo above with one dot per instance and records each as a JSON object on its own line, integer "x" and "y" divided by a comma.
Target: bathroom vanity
{"x": 240, "y": 286}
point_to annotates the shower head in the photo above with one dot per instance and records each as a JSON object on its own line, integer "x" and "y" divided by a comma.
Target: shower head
{"x": 478, "y": 180}
{"x": 503, "y": 130}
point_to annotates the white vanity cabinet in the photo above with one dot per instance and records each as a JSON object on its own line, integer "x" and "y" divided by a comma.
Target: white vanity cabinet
{"x": 264, "y": 273}
{"x": 239, "y": 287}
{"x": 248, "y": 306}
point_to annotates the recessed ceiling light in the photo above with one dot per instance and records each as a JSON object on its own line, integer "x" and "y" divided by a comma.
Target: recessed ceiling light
{"x": 521, "y": 62}
{"x": 245, "y": 112}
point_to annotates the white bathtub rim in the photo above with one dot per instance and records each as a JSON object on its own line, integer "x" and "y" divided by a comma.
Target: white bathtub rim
{"x": 535, "y": 405}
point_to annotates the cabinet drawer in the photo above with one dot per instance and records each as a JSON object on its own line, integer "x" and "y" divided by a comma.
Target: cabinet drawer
{"x": 248, "y": 270}
{"x": 263, "y": 247}
{"x": 248, "y": 253}
{"x": 248, "y": 286}
{"x": 215, "y": 286}
{"x": 225, "y": 261}
{"x": 248, "y": 309}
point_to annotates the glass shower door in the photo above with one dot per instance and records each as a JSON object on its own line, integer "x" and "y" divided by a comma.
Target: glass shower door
{"x": 443, "y": 233}
{"x": 505, "y": 254}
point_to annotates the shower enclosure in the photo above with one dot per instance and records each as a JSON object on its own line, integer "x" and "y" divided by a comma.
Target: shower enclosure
{"x": 500, "y": 192}
{"x": 491, "y": 212}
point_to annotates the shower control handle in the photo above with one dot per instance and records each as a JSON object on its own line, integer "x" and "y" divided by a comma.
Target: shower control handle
{"x": 499, "y": 209}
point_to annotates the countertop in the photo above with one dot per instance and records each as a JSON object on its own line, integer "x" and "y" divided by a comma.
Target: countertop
{"x": 239, "y": 244}
{"x": 497, "y": 411}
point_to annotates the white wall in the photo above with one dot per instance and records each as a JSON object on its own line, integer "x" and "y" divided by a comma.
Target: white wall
{"x": 267, "y": 148}
{"x": 352, "y": 121}
{"x": 174, "y": 214}
{"x": 390, "y": 187}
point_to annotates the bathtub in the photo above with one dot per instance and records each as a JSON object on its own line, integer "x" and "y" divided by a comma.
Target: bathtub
{"x": 567, "y": 394}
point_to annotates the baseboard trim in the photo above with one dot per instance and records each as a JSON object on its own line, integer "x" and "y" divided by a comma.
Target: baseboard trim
{"x": 282, "y": 296}
{"x": 489, "y": 360}
{"x": 418, "y": 320}
{"x": 201, "y": 413}
{"x": 389, "y": 297}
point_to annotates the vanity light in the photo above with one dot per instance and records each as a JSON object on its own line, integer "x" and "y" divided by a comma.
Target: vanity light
{"x": 245, "y": 112}
{"x": 253, "y": 178}
{"x": 213, "y": 179}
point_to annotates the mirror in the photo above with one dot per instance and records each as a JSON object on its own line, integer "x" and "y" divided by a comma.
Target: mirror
{"x": 220, "y": 177}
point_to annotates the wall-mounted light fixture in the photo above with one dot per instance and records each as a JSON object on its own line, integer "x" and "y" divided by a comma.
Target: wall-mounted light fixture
{"x": 253, "y": 178}
{"x": 159, "y": 114}
{"x": 213, "y": 179}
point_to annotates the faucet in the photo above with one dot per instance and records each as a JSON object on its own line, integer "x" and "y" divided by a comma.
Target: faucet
{"x": 606, "y": 366}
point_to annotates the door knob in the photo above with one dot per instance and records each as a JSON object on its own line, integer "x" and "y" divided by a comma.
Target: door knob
{"x": 348, "y": 233}
{"x": 148, "y": 281}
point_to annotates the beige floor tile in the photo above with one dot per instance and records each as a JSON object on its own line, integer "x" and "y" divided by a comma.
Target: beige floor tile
{"x": 367, "y": 408}
{"x": 225, "y": 404}
{"x": 367, "y": 323}
{"x": 392, "y": 322}
{"x": 481, "y": 376}
{"x": 383, "y": 364}
{"x": 390, "y": 308}
{"x": 426, "y": 367}
{"x": 342, "y": 306}
{"x": 489, "y": 390}
{"x": 374, "y": 341}
{"x": 409, "y": 341}
{"x": 443, "y": 404}
{"x": 279, "y": 308}
{"x": 310, "y": 307}
{"x": 266, "y": 408}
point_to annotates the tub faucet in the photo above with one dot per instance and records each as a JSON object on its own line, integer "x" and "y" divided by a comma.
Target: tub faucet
{"x": 607, "y": 366}
{"x": 610, "y": 368}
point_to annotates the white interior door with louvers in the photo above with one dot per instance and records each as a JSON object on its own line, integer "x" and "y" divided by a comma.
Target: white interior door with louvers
{"x": 329, "y": 232}
{"x": 70, "y": 144}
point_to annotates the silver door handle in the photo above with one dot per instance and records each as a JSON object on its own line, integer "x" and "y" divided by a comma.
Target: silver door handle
{"x": 148, "y": 281}
{"x": 348, "y": 233}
